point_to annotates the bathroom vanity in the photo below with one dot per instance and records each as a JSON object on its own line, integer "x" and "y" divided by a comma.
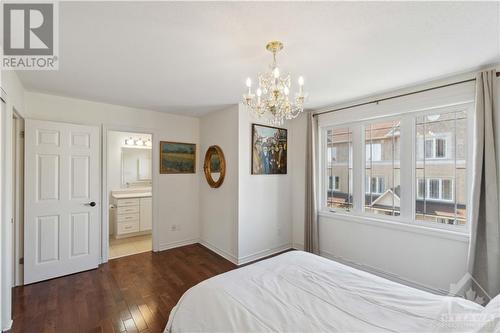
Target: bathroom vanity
{"x": 132, "y": 213}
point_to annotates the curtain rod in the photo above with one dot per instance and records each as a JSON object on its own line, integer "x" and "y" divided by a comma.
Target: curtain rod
{"x": 396, "y": 96}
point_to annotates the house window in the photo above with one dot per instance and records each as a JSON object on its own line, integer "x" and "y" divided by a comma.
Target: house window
{"x": 376, "y": 185}
{"x": 382, "y": 142}
{"x": 334, "y": 183}
{"x": 435, "y": 189}
{"x": 441, "y": 169}
{"x": 435, "y": 148}
{"x": 374, "y": 152}
{"x": 339, "y": 168}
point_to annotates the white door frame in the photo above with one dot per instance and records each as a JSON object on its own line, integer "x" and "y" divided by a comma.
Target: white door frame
{"x": 18, "y": 200}
{"x": 105, "y": 195}
{"x": 5, "y": 311}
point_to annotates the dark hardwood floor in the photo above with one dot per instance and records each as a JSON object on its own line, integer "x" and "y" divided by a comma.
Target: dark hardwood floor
{"x": 129, "y": 294}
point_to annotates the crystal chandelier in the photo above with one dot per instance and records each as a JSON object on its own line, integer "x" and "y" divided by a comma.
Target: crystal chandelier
{"x": 272, "y": 97}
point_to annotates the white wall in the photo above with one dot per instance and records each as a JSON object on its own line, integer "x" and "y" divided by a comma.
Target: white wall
{"x": 250, "y": 216}
{"x": 298, "y": 161}
{"x": 11, "y": 84}
{"x": 265, "y": 201}
{"x": 176, "y": 200}
{"x": 219, "y": 206}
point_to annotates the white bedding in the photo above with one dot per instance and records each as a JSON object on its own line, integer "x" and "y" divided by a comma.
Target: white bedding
{"x": 302, "y": 292}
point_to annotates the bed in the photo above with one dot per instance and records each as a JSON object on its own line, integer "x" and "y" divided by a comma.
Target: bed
{"x": 301, "y": 292}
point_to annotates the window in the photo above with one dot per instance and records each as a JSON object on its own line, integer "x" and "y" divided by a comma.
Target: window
{"x": 376, "y": 185}
{"x": 374, "y": 152}
{"x": 441, "y": 169}
{"x": 334, "y": 183}
{"x": 437, "y": 189}
{"x": 382, "y": 140}
{"x": 435, "y": 148}
{"x": 339, "y": 169}
{"x": 373, "y": 166}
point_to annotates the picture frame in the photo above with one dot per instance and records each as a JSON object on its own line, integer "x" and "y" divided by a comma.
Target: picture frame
{"x": 177, "y": 157}
{"x": 269, "y": 149}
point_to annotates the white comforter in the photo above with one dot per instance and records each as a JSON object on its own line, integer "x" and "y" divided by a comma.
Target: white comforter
{"x": 302, "y": 292}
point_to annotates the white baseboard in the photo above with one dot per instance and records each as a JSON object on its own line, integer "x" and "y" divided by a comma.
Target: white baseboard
{"x": 264, "y": 253}
{"x": 298, "y": 246}
{"x": 224, "y": 254}
{"x": 8, "y": 326}
{"x": 383, "y": 274}
{"x": 171, "y": 245}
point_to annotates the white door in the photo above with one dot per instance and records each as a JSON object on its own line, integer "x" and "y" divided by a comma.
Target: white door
{"x": 62, "y": 221}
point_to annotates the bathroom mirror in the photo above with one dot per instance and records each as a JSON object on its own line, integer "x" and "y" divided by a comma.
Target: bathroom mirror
{"x": 214, "y": 166}
{"x": 136, "y": 166}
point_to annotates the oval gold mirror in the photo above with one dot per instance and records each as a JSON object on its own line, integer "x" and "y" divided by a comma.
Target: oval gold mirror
{"x": 214, "y": 166}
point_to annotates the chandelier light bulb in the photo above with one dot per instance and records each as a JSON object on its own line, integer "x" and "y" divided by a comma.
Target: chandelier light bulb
{"x": 249, "y": 82}
{"x": 259, "y": 92}
{"x": 276, "y": 72}
{"x": 301, "y": 80}
{"x": 286, "y": 91}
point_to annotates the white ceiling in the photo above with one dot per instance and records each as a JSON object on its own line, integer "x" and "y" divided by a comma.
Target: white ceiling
{"x": 191, "y": 58}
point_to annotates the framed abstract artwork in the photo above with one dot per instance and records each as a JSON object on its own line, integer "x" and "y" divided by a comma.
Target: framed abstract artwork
{"x": 177, "y": 157}
{"x": 269, "y": 150}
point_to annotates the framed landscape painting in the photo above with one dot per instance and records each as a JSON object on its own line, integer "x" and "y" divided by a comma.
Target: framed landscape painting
{"x": 269, "y": 150}
{"x": 177, "y": 157}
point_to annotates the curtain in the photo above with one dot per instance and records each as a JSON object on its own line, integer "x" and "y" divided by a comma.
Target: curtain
{"x": 311, "y": 230}
{"x": 484, "y": 248}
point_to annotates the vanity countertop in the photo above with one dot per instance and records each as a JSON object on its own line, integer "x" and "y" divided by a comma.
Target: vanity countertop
{"x": 127, "y": 195}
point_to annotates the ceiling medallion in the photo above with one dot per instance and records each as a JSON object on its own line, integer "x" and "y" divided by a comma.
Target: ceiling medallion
{"x": 272, "y": 97}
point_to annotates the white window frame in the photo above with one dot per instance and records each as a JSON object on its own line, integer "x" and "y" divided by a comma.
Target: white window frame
{"x": 377, "y": 153}
{"x": 325, "y": 163}
{"x": 407, "y": 165}
{"x": 378, "y": 179}
{"x": 440, "y": 189}
{"x": 335, "y": 185}
{"x": 434, "y": 139}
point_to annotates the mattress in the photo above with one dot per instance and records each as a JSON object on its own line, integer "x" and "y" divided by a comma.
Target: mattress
{"x": 301, "y": 292}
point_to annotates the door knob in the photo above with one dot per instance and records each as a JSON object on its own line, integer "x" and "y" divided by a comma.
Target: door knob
{"x": 91, "y": 204}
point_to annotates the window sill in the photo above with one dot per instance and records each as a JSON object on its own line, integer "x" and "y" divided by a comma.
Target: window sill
{"x": 397, "y": 225}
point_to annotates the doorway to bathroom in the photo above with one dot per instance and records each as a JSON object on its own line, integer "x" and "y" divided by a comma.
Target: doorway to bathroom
{"x": 129, "y": 192}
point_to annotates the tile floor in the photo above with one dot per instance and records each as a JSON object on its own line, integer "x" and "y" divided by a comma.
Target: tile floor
{"x": 127, "y": 246}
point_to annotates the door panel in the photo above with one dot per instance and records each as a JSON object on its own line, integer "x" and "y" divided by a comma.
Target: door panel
{"x": 48, "y": 239}
{"x": 47, "y": 137}
{"x": 80, "y": 181}
{"x": 61, "y": 178}
{"x": 80, "y": 234}
{"x": 48, "y": 177}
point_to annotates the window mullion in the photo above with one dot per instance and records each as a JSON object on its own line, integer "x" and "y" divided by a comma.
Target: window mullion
{"x": 407, "y": 167}
{"x": 359, "y": 151}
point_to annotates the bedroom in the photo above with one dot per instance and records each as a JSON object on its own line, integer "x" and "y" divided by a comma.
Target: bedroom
{"x": 388, "y": 173}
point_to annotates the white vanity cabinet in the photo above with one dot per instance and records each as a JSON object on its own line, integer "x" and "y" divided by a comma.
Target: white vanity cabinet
{"x": 133, "y": 214}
